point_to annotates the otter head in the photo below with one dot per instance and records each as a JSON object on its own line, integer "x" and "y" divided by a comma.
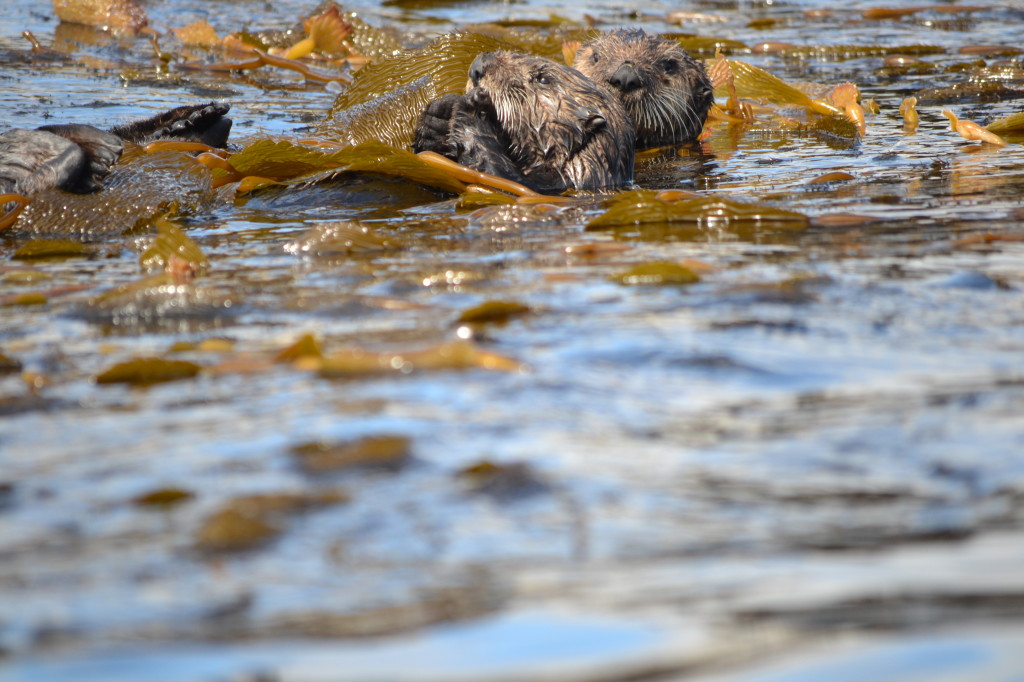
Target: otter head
{"x": 560, "y": 128}
{"x": 666, "y": 92}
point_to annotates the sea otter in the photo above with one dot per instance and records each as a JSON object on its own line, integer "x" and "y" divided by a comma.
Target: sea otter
{"x": 77, "y": 157}
{"x": 666, "y": 92}
{"x": 534, "y": 121}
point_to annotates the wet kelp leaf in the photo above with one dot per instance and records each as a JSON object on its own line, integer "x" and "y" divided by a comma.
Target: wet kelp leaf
{"x": 493, "y": 311}
{"x": 972, "y": 91}
{"x": 969, "y": 130}
{"x": 250, "y": 521}
{"x": 164, "y": 498}
{"x": 113, "y": 15}
{"x": 707, "y": 45}
{"x": 306, "y": 347}
{"x": 755, "y": 83}
{"x": 38, "y": 249}
{"x": 656, "y": 273}
{"x": 341, "y": 238}
{"x": 172, "y": 242}
{"x": 1012, "y": 125}
{"x": 140, "y": 188}
{"x": 284, "y": 160}
{"x": 147, "y": 371}
{"x": 473, "y": 200}
{"x": 405, "y": 84}
{"x": 643, "y": 207}
{"x": 503, "y": 481}
{"x": 23, "y": 300}
{"x": 374, "y": 452}
{"x": 453, "y": 355}
{"x": 230, "y": 530}
{"x": 834, "y": 52}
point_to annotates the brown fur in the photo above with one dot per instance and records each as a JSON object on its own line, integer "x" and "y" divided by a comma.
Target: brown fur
{"x": 666, "y": 92}
{"x": 535, "y": 121}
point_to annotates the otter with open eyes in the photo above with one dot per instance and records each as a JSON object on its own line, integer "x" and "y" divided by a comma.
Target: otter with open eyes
{"x": 534, "y": 121}
{"x": 666, "y": 93}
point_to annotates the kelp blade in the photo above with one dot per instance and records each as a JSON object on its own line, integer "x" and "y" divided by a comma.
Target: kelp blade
{"x": 639, "y": 208}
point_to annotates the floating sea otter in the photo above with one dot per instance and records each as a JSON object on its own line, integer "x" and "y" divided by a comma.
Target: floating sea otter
{"x": 666, "y": 93}
{"x": 77, "y": 157}
{"x": 534, "y": 121}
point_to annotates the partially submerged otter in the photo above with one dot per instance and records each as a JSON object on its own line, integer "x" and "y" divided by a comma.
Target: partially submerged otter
{"x": 77, "y": 157}
{"x": 534, "y": 121}
{"x": 666, "y": 93}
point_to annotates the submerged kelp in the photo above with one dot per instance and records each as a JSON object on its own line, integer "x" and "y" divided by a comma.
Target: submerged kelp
{"x": 765, "y": 401}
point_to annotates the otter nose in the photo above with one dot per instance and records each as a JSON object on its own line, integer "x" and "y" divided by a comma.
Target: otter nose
{"x": 479, "y": 67}
{"x": 625, "y": 78}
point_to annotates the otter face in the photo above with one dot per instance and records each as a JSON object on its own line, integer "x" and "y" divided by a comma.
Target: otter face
{"x": 557, "y": 123}
{"x": 666, "y": 92}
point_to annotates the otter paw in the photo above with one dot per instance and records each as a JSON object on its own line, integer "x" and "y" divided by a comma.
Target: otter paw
{"x": 204, "y": 123}
{"x": 434, "y": 125}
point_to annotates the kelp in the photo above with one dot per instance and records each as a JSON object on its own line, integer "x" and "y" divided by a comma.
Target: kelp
{"x": 407, "y": 82}
{"x": 969, "y": 130}
{"x": 756, "y": 83}
{"x": 844, "y": 51}
{"x": 285, "y": 160}
{"x": 505, "y": 481}
{"x": 1008, "y": 125}
{"x": 146, "y": 371}
{"x": 38, "y": 249}
{"x": 110, "y": 15}
{"x": 387, "y": 452}
{"x": 493, "y": 312}
{"x": 656, "y": 273}
{"x": 139, "y": 188}
{"x": 644, "y": 207}
{"x": 248, "y": 521}
{"x": 307, "y": 346}
{"x": 341, "y": 238}
{"x": 171, "y": 243}
{"x": 163, "y": 498}
{"x": 452, "y": 355}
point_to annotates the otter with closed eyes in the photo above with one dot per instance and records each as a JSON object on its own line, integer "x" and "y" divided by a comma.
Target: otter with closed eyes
{"x": 77, "y": 158}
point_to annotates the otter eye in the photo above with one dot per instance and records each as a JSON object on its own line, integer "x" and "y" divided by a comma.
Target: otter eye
{"x": 670, "y": 66}
{"x": 543, "y": 79}
{"x": 595, "y": 58}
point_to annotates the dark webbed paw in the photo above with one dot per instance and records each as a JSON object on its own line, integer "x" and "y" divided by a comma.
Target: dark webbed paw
{"x": 435, "y": 124}
{"x": 204, "y": 123}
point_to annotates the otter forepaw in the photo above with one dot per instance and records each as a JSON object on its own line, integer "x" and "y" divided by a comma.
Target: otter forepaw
{"x": 194, "y": 123}
{"x": 435, "y": 124}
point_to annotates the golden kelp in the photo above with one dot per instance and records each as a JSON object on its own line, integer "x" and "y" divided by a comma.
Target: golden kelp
{"x": 756, "y": 83}
{"x": 1008, "y": 125}
{"x": 109, "y": 15}
{"x": 306, "y": 346}
{"x": 493, "y": 311}
{"x": 641, "y": 207}
{"x": 284, "y": 160}
{"x": 50, "y": 248}
{"x": 248, "y": 521}
{"x": 656, "y": 273}
{"x": 374, "y": 452}
{"x": 341, "y": 238}
{"x": 171, "y": 243}
{"x": 139, "y": 188}
{"x": 147, "y": 370}
{"x": 446, "y": 356}
{"x": 163, "y": 498}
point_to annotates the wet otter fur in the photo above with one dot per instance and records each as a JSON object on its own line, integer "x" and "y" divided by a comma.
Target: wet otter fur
{"x": 77, "y": 158}
{"x": 534, "y": 121}
{"x": 666, "y": 93}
